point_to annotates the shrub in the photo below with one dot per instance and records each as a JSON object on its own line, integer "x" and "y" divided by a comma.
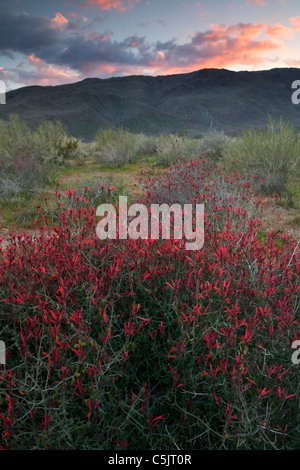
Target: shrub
{"x": 51, "y": 144}
{"x": 90, "y": 192}
{"x": 115, "y": 147}
{"x": 23, "y": 176}
{"x": 28, "y": 158}
{"x": 137, "y": 344}
{"x": 273, "y": 153}
{"x": 214, "y": 143}
{"x": 15, "y": 139}
{"x": 204, "y": 182}
{"x": 67, "y": 148}
{"x": 146, "y": 144}
{"x": 170, "y": 147}
{"x": 48, "y": 143}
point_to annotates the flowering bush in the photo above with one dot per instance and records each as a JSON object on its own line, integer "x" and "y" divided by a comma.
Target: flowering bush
{"x": 139, "y": 344}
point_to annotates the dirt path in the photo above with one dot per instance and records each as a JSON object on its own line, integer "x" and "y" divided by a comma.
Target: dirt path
{"x": 283, "y": 219}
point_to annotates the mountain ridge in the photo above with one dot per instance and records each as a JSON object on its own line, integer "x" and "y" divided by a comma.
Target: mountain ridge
{"x": 193, "y": 102}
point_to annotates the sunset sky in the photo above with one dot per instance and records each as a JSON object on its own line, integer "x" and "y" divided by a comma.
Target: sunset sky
{"x": 55, "y": 42}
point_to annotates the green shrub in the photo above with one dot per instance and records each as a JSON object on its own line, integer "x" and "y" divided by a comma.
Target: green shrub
{"x": 22, "y": 177}
{"x": 50, "y": 142}
{"x": 170, "y": 147}
{"x": 28, "y": 158}
{"x": 214, "y": 143}
{"x": 146, "y": 144}
{"x": 272, "y": 152}
{"x": 15, "y": 139}
{"x": 115, "y": 147}
{"x": 47, "y": 143}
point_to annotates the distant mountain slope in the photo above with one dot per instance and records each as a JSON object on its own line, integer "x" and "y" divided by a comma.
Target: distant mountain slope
{"x": 192, "y": 102}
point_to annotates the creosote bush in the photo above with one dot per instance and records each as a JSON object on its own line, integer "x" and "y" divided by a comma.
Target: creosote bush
{"x": 47, "y": 143}
{"x": 170, "y": 147}
{"x": 273, "y": 153}
{"x": 146, "y": 144}
{"x": 28, "y": 157}
{"x": 22, "y": 177}
{"x": 115, "y": 148}
{"x": 214, "y": 143}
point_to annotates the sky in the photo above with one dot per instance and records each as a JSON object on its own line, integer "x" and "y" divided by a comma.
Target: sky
{"x": 57, "y": 42}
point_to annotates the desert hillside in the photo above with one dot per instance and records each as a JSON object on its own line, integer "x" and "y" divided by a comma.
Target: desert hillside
{"x": 193, "y": 102}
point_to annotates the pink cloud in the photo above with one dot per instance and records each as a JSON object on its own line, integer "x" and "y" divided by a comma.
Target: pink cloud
{"x": 257, "y": 2}
{"x": 95, "y": 36}
{"x": 205, "y": 13}
{"x": 59, "y": 20}
{"x": 295, "y": 22}
{"x": 161, "y": 55}
{"x": 279, "y": 30}
{"x": 244, "y": 31}
{"x": 100, "y": 38}
{"x": 294, "y": 63}
{"x": 94, "y": 69}
{"x": 233, "y": 46}
{"x": 47, "y": 74}
{"x": 119, "y": 5}
{"x": 224, "y": 46}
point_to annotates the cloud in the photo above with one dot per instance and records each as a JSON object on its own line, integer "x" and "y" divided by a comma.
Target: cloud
{"x": 203, "y": 13}
{"x": 279, "y": 30}
{"x": 295, "y": 22}
{"x": 40, "y": 73}
{"x": 59, "y": 20}
{"x": 103, "y": 4}
{"x": 257, "y": 2}
{"x": 47, "y": 74}
{"x": 161, "y": 55}
{"x": 144, "y": 24}
{"x": 293, "y": 63}
{"x": 60, "y": 51}
{"x": 119, "y": 5}
{"x": 220, "y": 46}
{"x": 23, "y": 33}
